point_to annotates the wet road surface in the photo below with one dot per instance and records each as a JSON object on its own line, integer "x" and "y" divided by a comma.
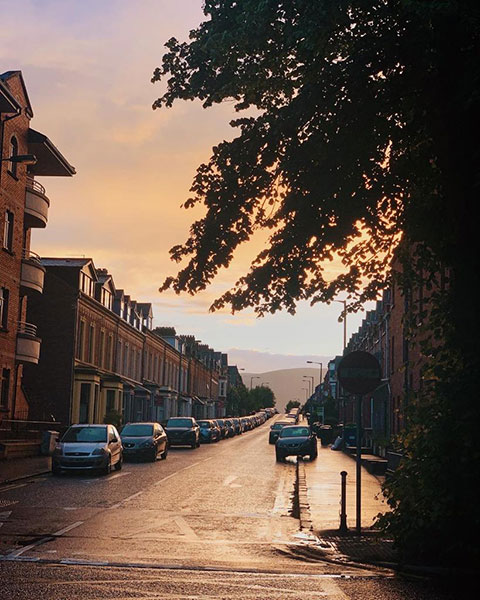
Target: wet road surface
{"x": 211, "y": 522}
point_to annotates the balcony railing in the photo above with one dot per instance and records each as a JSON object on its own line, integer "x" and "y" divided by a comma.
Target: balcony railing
{"x": 28, "y": 344}
{"x": 36, "y": 204}
{"x": 36, "y": 186}
{"x": 27, "y": 328}
{"x": 33, "y": 273}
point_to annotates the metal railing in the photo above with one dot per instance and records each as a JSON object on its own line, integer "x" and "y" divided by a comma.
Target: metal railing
{"x": 31, "y": 256}
{"x": 27, "y": 329}
{"x": 36, "y": 186}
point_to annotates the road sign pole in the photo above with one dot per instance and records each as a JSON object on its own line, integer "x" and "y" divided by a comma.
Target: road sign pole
{"x": 359, "y": 465}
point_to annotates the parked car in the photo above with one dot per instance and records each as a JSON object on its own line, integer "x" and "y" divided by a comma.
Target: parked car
{"x": 209, "y": 431}
{"x": 275, "y": 430}
{"x": 223, "y": 429}
{"x": 237, "y": 424}
{"x": 144, "y": 440}
{"x": 88, "y": 447}
{"x": 230, "y": 428}
{"x": 296, "y": 440}
{"x": 183, "y": 431}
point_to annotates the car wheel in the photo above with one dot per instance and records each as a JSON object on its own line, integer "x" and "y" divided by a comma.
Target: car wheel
{"x": 164, "y": 453}
{"x": 107, "y": 468}
{"x": 279, "y": 457}
{"x": 119, "y": 464}
{"x": 153, "y": 456}
{"x": 193, "y": 445}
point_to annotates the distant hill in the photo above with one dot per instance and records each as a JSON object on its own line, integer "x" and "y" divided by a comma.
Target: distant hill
{"x": 286, "y": 384}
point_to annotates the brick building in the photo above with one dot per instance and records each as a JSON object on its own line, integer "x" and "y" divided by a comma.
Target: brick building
{"x": 101, "y": 355}
{"x": 25, "y": 154}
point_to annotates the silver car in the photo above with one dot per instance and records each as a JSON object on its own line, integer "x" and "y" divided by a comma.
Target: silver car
{"x": 88, "y": 447}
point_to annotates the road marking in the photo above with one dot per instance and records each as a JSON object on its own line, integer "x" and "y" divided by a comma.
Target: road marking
{"x": 5, "y": 515}
{"x": 13, "y": 487}
{"x": 112, "y": 477}
{"x": 68, "y": 528}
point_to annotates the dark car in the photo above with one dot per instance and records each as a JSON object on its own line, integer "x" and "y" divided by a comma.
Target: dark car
{"x": 223, "y": 429}
{"x": 183, "y": 431}
{"x": 237, "y": 425}
{"x": 296, "y": 440}
{"x": 144, "y": 440}
{"x": 230, "y": 428}
{"x": 275, "y": 430}
{"x": 209, "y": 431}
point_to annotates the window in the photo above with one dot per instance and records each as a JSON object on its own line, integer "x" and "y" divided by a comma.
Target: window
{"x": 91, "y": 344}
{"x": 109, "y": 352}
{"x": 4, "y": 295}
{"x": 5, "y": 388}
{"x": 101, "y": 349}
{"x": 107, "y": 298}
{"x": 8, "y": 230}
{"x": 12, "y": 168}
{"x": 86, "y": 284}
{"x": 110, "y": 400}
{"x": 80, "y": 339}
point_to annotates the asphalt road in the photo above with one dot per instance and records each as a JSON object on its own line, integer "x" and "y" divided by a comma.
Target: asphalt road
{"x": 214, "y": 522}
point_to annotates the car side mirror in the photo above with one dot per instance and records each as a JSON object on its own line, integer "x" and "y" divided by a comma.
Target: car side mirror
{"x": 113, "y": 440}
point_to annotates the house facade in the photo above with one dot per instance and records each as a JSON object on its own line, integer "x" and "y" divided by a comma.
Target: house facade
{"x": 24, "y": 206}
{"x": 102, "y": 359}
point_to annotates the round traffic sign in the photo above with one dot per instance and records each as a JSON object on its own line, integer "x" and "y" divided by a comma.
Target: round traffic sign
{"x": 359, "y": 372}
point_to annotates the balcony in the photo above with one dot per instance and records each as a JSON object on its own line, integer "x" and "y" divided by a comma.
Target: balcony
{"x": 36, "y": 204}
{"x": 28, "y": 344}
{"x": 32, "y": 274}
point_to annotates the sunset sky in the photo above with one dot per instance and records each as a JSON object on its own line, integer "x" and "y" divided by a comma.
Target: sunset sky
{"x": 87, "y": 65}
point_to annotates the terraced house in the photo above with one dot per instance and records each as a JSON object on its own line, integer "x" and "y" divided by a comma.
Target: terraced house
{"x": 24, "y": 205}
{"x": 102, "y": 358}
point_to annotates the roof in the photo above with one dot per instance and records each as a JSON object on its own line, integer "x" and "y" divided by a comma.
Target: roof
{"x": 65, "y": 262}
{"x": 50, "y": 161}
{"x": 8, "y": 103}
{"x": 6, "y": 76}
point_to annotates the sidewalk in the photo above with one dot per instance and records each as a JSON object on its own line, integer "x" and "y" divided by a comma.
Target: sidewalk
{"x": 319, "y": 497}
{"x": 323, "y": 482}
{"x": 21, "y": 468}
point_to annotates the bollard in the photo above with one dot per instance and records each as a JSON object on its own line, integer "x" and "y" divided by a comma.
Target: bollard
{"x": 343, "y": 503}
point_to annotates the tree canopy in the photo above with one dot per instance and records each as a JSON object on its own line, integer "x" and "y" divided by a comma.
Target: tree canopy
{"x": 358, "y": 128}
{"x": 355, "y": 106}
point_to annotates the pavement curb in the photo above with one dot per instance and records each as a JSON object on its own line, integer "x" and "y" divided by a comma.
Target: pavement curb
{"x": 20, "y": 477}
{"x": 306, "y": 524}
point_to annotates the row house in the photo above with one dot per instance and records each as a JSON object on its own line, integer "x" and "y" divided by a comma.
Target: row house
{"x": 102, "y": 358}
{"x": 24, "y": 206}
{"x": 385, "y": 334}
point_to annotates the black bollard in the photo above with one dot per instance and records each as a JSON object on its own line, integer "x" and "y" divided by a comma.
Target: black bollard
{"x": 343, "y": 503}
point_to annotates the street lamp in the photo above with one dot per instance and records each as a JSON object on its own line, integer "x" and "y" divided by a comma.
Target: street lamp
{"x": 313, "y": 362}
{"x": 252, "y": 378}
{"x": 312, "y": 378}
{"x": 24, "y": 159}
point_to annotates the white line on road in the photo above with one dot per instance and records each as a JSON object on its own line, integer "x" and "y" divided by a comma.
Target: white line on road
{"x": 68, "y": 528}
{"x": 13, "y": 487}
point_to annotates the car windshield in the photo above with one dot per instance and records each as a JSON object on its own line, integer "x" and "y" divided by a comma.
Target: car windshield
{"x": 294, "y": 432}
{"x": 137, "y": 429}
{"x": 179, "y": 423}
{"x": 278, "y": 425}
{"x": 91, "y": 435}
{"x": 204, "y": 424}
{"x": 220, "y": 422}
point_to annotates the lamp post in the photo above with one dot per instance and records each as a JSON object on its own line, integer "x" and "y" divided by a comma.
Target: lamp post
{"x": 313, "y": 362}
{"x": 252, "y": 378}
{"x": 311, "y": 379}
{"x": 306, "y": 392}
